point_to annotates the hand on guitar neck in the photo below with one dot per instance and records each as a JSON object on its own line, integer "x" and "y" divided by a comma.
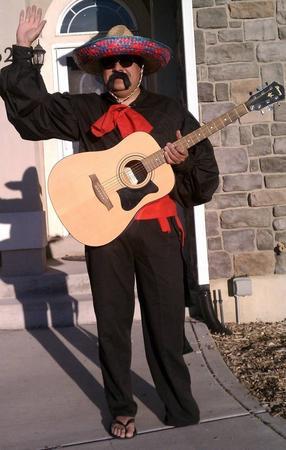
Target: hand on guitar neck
{"x": 174, "y": 154}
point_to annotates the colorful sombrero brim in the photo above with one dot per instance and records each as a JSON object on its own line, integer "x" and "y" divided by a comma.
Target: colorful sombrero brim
{"x": 155, "y": 54}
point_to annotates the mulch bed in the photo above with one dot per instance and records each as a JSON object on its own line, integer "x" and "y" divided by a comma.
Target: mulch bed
{"x": 256, "y": 354}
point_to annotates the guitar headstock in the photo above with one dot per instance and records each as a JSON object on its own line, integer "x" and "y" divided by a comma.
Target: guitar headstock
{"x": 272, "y": 93}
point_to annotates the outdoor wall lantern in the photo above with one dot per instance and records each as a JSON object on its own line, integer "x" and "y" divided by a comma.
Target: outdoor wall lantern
{"x": 38, "y": 56}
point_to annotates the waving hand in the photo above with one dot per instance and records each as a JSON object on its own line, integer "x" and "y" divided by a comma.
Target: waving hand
{"x": 30, "y": 26}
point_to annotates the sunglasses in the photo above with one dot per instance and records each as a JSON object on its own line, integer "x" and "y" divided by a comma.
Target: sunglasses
{"x": 124, "y": 61}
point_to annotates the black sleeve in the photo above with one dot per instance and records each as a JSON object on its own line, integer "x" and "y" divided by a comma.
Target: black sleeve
{"x": 34, "y": 112}
{"x": 197, "y": 177}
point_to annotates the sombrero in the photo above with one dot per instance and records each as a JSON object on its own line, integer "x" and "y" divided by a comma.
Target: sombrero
{"x": 121, "y": 41}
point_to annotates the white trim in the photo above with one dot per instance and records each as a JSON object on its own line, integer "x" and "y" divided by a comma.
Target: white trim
{"x": 192, "y": 101}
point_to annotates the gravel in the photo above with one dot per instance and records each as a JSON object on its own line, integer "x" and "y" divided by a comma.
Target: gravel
{"x": 256, "y": 354}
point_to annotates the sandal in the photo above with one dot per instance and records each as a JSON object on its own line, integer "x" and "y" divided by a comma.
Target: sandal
{"x": 124, "y": 425}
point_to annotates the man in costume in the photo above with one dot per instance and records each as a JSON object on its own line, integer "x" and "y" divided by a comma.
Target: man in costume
{"x": 150, "y": 248}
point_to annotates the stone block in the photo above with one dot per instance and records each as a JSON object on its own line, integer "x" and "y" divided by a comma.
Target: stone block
{"x": 275, "y": 181}
{"x": 278, "y": 129}
{"x": 279, "y": 210}
{"x": 238, "y": 241}
{"x": 212, "y": 223}
{"x": 202, "y": 3}
{"x": 200, "y": 47}
{"x": 260, "y": 147}
{"x": 254, "y": 165}
{"x": 261, "y": 129}
{"x": 270, "y": 72}
{"x": 245, "y": 218}
{"x": 267, "y": 197}
{"x": 203, "y": 71}
{"x": 210, "y": 112}
{"x": 279, "y": 224}
{"x": 280, "y": 112}
{"x": 221, "y": 92}
{"x": 279, "y": 146}
{"x": 223, "y": 201}
{"x": 230, "y": 35}
{"x": 241, "y": 89}
{"x": 214, "y": 243}
{"x": 273, "y": 164}
{"x": 211, "y": 38}
{"x": 281, "y": 12}
{"x": 212, "y": 18}
{"x": 215, "y": 139}
{"x": 235, "y": 23}
{"x": 280, "y": 236}
{"x": 230, "y": 53}
{"x": 205, "y": 92}
{"x": 245, "y": 135}
{"x": 282, "y": 32}
{"x": 233, "y": 71}
{"x": 256, "y": 263}
{"x": 260, "y": 30}
{"x": 280, "y": 266}
{"x": 257, "y": 116}
{"x": 231, "y": 160}
{"x": 271, "y": 51}
{"x": 220, "y": 265}
{"x": 251, "y": 10}
{"x": 265, "y": 239}
{"x": 230, "y": 136}
{"x": 242, "y": 182}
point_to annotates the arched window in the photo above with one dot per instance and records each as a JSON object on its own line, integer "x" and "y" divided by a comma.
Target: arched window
{"x": 91, "y": 16}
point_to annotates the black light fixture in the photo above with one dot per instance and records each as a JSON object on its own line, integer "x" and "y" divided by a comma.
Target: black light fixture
{"x": 38, "y": 55}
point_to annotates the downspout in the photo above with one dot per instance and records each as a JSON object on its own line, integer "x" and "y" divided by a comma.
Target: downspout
{"x": 204, "y": 294}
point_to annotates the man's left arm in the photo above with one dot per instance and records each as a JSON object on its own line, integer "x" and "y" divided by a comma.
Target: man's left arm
{"x": 197, "y": 178}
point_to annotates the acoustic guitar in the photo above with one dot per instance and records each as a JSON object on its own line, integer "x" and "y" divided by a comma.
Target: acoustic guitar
{"x": 97, "y": 194}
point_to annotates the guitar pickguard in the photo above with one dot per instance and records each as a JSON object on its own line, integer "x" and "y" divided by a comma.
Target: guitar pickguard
{"x": 130, "y": 198}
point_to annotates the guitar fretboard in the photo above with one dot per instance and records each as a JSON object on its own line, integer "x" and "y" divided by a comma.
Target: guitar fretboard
{"x": 157, "y": 159}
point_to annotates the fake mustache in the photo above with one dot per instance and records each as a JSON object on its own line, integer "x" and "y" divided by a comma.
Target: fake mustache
{"x": 121, "y": 75}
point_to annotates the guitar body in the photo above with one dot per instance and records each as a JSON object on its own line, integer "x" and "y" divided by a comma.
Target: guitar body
{"x": 97, "y": 194}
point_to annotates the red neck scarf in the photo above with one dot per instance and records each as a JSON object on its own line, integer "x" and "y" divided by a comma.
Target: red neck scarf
{"x": 126, "y": 119}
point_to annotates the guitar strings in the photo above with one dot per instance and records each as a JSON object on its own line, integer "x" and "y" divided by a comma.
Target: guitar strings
{"x": 137, "y": 169}
{"x": 113, "y": 183}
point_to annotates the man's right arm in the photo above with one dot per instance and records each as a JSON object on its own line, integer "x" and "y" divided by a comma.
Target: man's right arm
{"x": 34, "y": 112}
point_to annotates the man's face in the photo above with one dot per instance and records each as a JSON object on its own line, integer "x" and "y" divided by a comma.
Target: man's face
{"x": 121, "y": 74}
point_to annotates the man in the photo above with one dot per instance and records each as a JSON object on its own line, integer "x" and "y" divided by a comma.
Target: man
{"x": 151, "y": 246}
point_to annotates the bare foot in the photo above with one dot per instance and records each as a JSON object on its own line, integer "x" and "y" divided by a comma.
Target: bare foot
{"x": 123, "y": 427}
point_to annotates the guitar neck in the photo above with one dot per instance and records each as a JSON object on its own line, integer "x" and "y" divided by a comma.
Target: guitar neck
{"x": 157, "y": 159}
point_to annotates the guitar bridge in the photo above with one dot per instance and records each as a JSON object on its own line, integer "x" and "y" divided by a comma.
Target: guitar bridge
{"x": 100, "y": 192}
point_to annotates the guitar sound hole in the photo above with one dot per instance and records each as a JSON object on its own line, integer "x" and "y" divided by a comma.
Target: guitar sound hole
{"x": 138, "y": 172}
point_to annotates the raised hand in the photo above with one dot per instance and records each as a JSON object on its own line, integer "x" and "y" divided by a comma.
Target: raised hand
{"x": 30, "y": 26}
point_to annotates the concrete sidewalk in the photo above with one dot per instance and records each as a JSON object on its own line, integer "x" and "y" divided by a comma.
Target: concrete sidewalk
{"x": 52, "y": 397}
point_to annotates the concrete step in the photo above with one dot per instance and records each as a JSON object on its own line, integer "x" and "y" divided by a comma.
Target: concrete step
{"x": 61, "y": 277}
{"x": 59, "y": 297}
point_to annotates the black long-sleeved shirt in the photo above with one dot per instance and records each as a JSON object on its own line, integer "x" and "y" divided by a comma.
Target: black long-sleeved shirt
{"x": 38, "y": 115}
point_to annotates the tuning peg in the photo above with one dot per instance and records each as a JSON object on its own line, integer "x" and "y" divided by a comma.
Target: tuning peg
{"x": 266, "y": 83}
{"x": 262, "y": 111}
{"x": 250, "y": 93}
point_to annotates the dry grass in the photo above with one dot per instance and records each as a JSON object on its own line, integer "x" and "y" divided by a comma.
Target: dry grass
{"x": 256, "y": 354}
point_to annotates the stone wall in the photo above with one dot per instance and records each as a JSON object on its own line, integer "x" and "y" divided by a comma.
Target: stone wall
{"x": 241, "y": 45}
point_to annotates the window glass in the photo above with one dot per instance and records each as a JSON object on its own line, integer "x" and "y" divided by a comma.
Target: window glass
{"x": 87, "y": 16}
